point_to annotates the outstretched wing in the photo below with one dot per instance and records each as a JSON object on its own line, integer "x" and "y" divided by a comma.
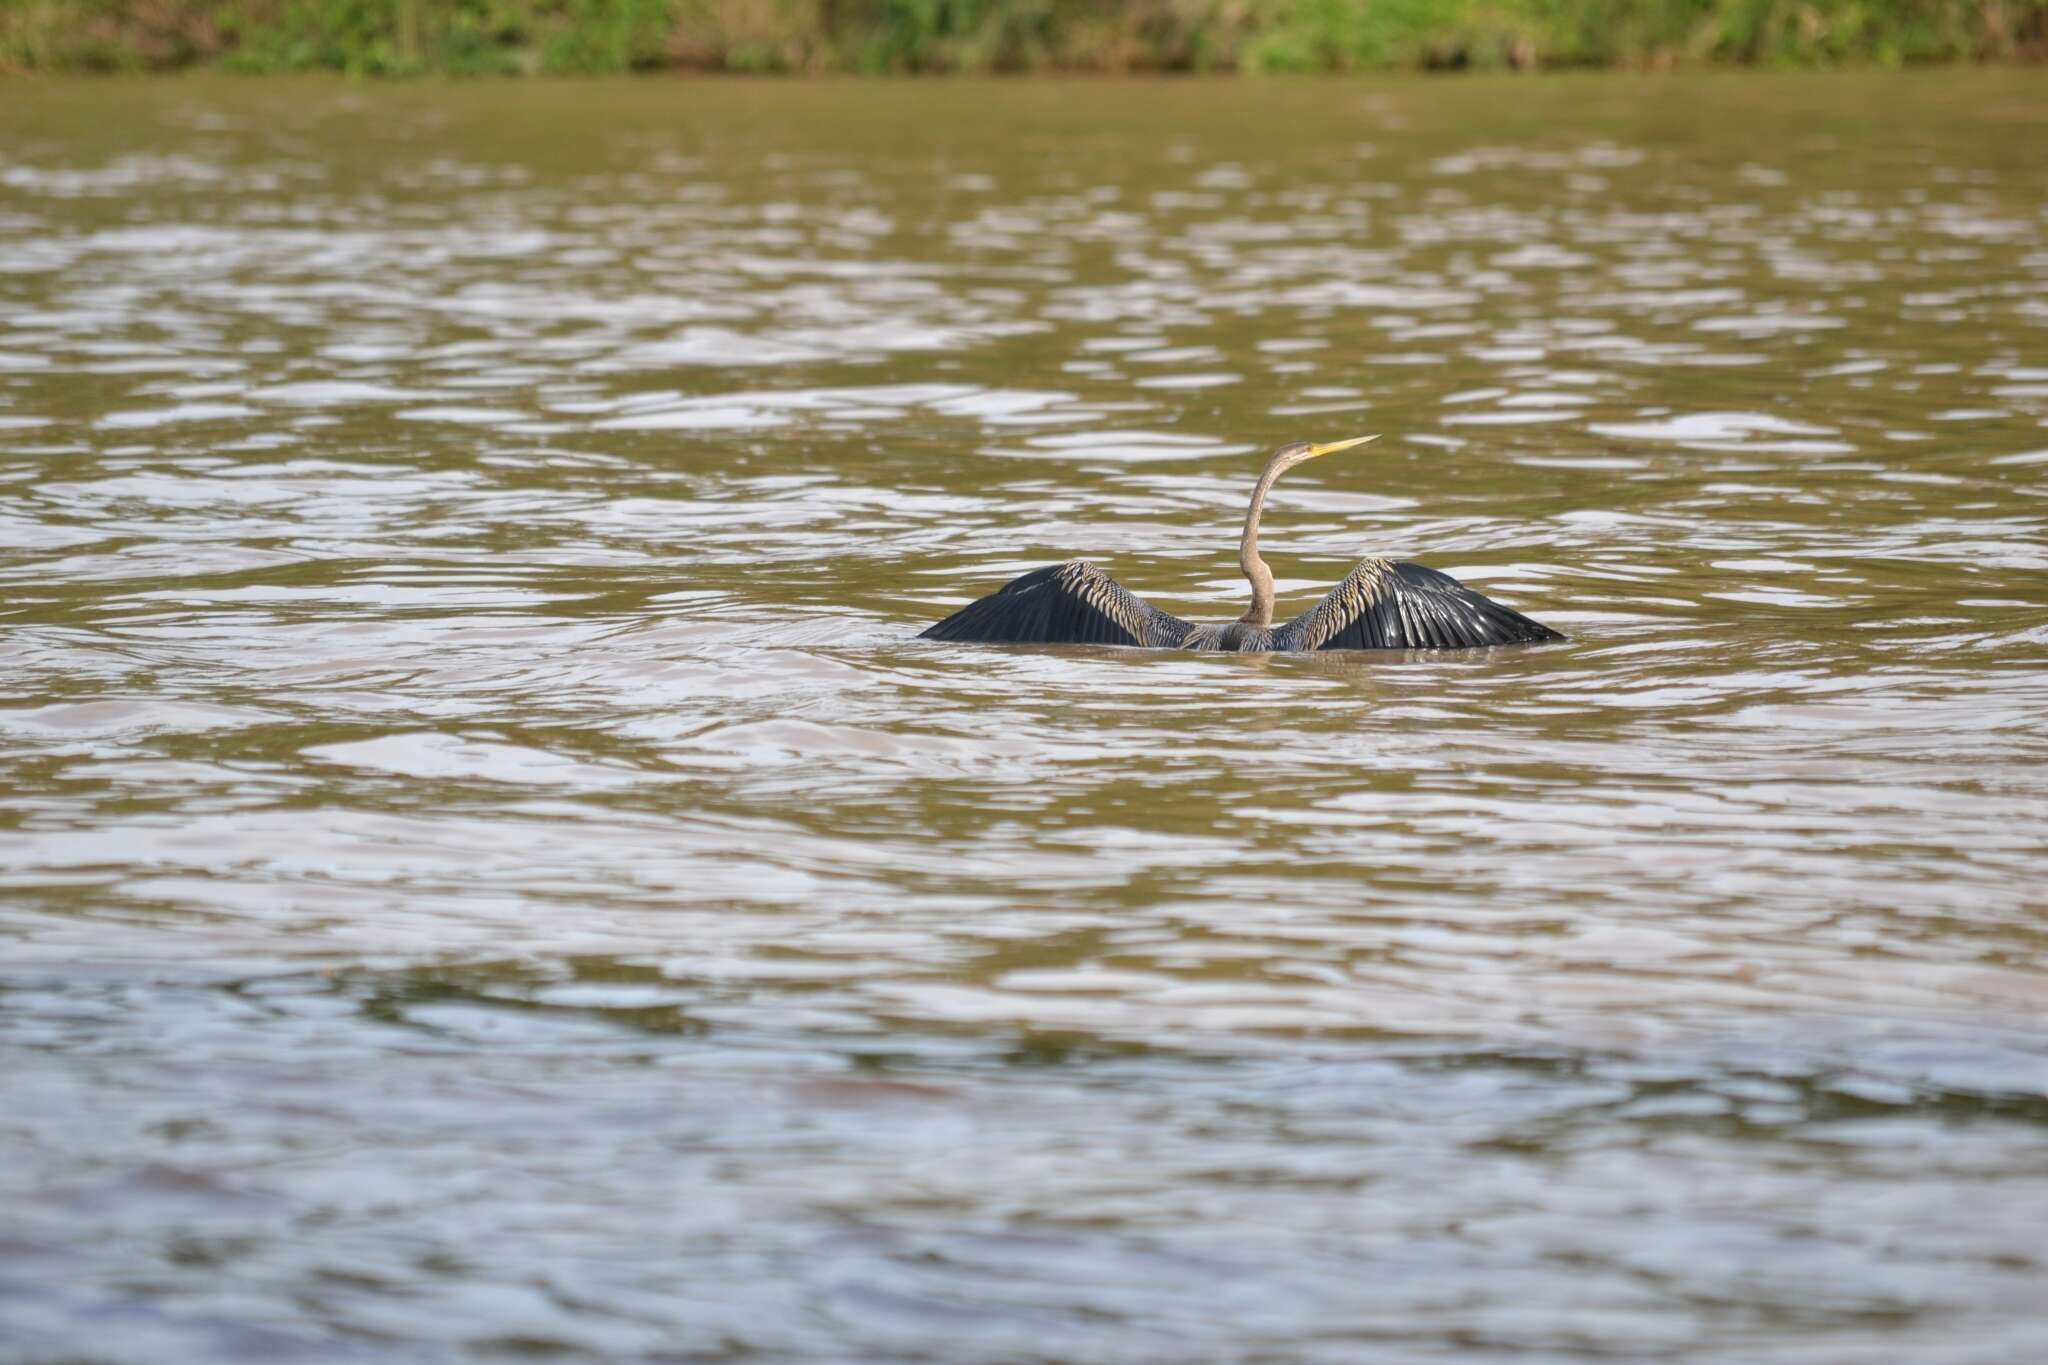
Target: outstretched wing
{"x": 1067, "y": 604}
{"x": 1384, "y": 604}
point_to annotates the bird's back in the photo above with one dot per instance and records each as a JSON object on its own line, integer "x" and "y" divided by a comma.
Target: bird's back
{"x": 1235, "y": 637}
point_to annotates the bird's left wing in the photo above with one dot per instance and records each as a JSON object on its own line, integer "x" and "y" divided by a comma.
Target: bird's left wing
{"x": 1066, "y": 604}
{"x": 1388, "y": 604}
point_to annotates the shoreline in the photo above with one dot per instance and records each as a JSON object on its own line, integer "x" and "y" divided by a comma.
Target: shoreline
{"x": 1121, "y": 38}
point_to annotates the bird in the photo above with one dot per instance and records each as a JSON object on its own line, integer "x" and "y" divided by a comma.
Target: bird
{"x": 1381, "y": 604}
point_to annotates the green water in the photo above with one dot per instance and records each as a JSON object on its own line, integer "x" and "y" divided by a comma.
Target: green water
{"x": 485, "y": 868}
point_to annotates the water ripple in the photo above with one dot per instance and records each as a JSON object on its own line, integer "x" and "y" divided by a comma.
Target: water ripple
{"x": 487, "y": 865}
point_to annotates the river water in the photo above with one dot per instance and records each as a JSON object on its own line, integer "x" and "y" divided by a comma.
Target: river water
{"x": 486, "y": 870}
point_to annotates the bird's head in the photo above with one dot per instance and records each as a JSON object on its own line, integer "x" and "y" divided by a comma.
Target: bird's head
{"x": 1287, "y": 457}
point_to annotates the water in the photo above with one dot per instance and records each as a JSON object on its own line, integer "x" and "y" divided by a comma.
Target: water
{"x": 487, "y": 870}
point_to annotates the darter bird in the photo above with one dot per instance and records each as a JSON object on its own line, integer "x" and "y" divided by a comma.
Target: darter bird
{"x": 1381, "y": 604}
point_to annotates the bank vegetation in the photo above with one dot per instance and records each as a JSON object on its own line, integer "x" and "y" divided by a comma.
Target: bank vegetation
{"x": 582, "y": 37}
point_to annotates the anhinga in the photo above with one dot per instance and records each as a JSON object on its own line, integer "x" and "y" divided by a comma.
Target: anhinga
{"x": 1381, "y": 604}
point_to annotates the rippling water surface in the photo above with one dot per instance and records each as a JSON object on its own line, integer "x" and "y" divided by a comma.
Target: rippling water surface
{"x": 486, "y": 869}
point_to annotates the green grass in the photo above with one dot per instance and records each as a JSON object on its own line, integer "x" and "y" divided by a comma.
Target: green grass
{"x": 511, "y": 37}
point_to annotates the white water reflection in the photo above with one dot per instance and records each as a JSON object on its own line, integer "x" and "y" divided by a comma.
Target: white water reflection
{"x": 1728, "y": 431}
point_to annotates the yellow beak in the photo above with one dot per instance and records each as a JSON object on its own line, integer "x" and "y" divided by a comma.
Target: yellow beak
{"x": 1333, "y": 447}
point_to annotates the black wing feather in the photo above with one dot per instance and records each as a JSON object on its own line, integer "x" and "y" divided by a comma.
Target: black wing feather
{"x": 1063, "y": 604}
{"x": 1400, "y": 605}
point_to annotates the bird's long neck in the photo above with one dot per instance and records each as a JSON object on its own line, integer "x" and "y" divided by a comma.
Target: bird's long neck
{"x": 1260, "y": 613}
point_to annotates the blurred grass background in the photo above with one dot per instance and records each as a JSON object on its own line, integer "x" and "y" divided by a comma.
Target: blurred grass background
{"x": 582, "y": 37}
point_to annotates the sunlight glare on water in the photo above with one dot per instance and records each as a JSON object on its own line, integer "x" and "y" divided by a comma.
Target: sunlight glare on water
{"x": 486, "y": 868}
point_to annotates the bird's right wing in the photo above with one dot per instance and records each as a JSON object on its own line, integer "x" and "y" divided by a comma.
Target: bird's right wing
{"x": 1067, "y": 604}
{"x": 1387, "y": 604}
